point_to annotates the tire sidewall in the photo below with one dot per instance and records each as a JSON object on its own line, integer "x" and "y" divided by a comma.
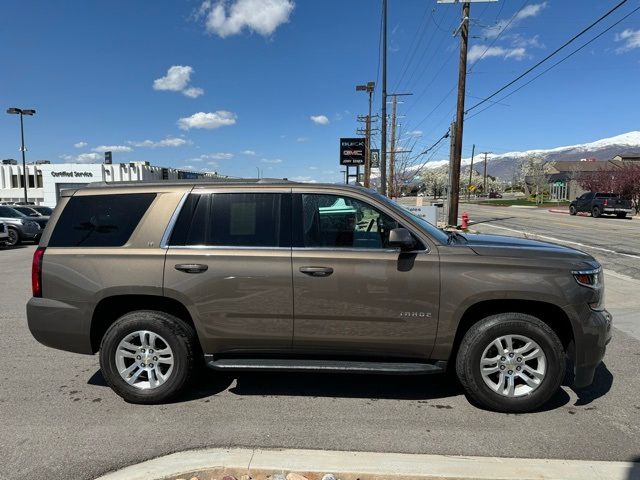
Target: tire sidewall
{"x": 514, "y": 324}
{"x": 595, "y": 213}
{"x": 162, "y": 324}
{"x": 572, "y": 210}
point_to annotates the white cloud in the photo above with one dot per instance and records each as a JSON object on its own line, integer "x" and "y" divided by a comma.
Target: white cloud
{"x": 502, "y": 25}
{"x": 631, "y": 39}
{"x": 481, "y": 51}
{"x": 260, "y": 16}
{"x": 251, "y": 153}
{"x": 166, "y": 142}
{"x": 319, "y": 119}
{"x": 274, "y": 161}
{"x": 218, "y": 156}
{"x": 313, "y": 168}
{"x": 80, "y": 144}
{"x": 177, "y": 80}
{"x": 193, "y": 92}
{"x": 414, "y": 133}
{"x": 302, "y": 139}
{"x": 112, "y": 148}
{"x": 301, "y": 178}
{"x": 210, "y": 120}
{"x": 83, "y": 158}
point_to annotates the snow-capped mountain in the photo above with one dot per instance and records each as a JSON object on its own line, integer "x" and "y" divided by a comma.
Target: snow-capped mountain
{"x": 503, "y": 165}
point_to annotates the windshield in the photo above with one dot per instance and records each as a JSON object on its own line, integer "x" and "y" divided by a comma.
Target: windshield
{"x": 430, "y": 229}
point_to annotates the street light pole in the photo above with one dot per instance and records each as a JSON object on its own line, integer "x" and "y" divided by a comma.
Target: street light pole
{"x": 22, "y": 112}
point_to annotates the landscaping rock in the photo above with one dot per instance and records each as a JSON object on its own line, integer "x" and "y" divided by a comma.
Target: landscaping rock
{"x": 296, "y": 476}
{"x": 329, "y": 476}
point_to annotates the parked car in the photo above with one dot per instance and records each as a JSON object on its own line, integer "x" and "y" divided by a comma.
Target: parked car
{"x": 33, "y": 215}
{"x": 281, "y": 276}
{"x": 597, "y": 203}
{"x": 19, "y": 226}
{"x": 4, "y": 234}
{"x": 495, "y": 195}
{"x": 42, "y": 210}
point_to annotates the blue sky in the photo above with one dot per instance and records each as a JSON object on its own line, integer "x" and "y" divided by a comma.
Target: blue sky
{"x": 239, "y": 84}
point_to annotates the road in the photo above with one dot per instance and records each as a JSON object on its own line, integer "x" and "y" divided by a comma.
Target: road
{"x": 614, "y": 242}
{"x": 59, "y": 420}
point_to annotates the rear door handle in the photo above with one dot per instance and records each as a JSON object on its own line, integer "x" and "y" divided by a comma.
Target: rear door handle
{"x": 191, "y": 267}
{"x": 317, "y": 271}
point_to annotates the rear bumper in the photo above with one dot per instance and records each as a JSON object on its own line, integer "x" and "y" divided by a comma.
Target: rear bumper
{"x": 60, "y": 325}
{"x": 591, "y": 346}
{"x": 628, "y": 211}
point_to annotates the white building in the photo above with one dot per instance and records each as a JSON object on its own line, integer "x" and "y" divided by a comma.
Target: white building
{"x": 46, "y": 180}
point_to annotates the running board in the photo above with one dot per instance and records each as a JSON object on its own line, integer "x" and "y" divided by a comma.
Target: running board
{"x": 302, "y": 365}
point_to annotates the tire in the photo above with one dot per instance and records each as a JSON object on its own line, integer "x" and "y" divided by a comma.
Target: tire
{"x": 478, "y": 340}
{"x": 14, "y": 237}
{"x": 595, "y": 213}
{"x": 572, "y": 210}
{"x": 622, "y": 215}
{"x": 171, "y": 332}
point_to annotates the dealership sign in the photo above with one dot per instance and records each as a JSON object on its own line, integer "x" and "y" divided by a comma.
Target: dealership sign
{"x": 71, "y": 174}
{"x": 352, "y": 151}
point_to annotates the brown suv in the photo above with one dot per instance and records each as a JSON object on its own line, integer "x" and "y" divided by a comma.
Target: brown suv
{"x": 287, "y": 276}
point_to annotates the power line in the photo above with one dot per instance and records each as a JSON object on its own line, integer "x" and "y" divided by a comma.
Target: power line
{"x": 422, "y": 29}
{"x": 557, "y": 63}
{"x": 529, "y": 70}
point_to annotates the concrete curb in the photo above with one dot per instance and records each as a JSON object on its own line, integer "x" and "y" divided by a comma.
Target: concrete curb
{"x": 381, "y": 465}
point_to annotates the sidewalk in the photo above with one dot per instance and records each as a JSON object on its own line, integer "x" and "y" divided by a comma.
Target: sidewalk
{"x": 315, "y": 464}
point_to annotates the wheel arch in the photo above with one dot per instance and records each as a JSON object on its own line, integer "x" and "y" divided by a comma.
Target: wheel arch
{"x": 109, "y": 309}
{"x": 554, "y": 316}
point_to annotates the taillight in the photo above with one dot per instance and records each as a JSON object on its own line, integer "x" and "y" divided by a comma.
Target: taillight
{"x": 36, "y": 272}
{"x": 606, "y": 202}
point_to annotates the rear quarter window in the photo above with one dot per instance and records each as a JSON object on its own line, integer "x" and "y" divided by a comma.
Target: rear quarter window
{"x": 100, "y": 220}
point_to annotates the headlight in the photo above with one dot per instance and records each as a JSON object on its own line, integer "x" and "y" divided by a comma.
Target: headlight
{"x": 588, "y": 278}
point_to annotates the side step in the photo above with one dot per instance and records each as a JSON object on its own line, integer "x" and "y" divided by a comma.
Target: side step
{"x": 313, "y": 365}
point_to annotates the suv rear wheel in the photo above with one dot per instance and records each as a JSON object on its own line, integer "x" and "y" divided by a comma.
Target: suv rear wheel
{"x": 510, "y": 362}
{"x": 595, "y": 213}
{"x": 148, "y": 356}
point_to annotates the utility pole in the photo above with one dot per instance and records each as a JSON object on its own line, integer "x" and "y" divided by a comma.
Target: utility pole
{"x": 452, "y": 145}
{"x": 484, "y": 186}
{"x": 392, "y": 157}
{"x": 473, "y": 151}
{"x": 383, "y": 133}
{"x": 369, "y": 88}
{"x": 454, "y": 183}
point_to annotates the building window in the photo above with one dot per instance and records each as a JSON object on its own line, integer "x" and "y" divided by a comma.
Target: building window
{"x": 15, "y": 182}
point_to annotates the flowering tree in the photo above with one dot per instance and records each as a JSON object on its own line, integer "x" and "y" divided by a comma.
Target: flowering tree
{"x": 624, "y": 180}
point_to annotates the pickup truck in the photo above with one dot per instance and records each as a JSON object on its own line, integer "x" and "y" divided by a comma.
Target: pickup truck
{"x": 597, "y": 204}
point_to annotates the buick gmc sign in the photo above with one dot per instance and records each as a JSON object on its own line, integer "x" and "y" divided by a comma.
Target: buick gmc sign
{"x": 352, "y": 151}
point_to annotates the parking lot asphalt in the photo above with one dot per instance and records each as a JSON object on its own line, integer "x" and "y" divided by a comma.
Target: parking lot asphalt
{"x": 613, "y": 241}
{"x": 59, "y": 420}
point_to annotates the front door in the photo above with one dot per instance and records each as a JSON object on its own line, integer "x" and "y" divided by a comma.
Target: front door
{"x": 353, "y": 295}
{"x": 229, "y": 261}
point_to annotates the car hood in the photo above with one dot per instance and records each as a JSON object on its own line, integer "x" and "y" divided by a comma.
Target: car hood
{"x": 503, "y": 246}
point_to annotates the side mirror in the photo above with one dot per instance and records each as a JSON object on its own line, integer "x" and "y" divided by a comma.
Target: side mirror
{"x": 402, "y": 238}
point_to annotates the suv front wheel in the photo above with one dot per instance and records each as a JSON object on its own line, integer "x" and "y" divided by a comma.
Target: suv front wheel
{"x": 148, "y": 356}
{"x": 511, "y": 362}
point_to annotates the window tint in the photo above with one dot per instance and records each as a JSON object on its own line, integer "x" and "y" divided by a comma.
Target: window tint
{"x": 607, "y": 195}
{"x": 233, "y": 220}
{"x": 9, "y": 212}
{"x": 100, "y": 220}
{"x": 334, "y": 221}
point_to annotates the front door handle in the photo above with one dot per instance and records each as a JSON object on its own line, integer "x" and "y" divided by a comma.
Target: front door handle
{"x": 191, "y": 267}
{"x": 317, "y": 271}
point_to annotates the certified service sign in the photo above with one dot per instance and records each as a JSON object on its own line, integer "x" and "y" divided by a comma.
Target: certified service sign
{"x": 352, "y": 151}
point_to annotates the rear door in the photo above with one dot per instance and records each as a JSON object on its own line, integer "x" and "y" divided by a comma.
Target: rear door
{"x": 583, "y": 203}
{"x": 353, "y": 294}
{"x": 229, "y": 261}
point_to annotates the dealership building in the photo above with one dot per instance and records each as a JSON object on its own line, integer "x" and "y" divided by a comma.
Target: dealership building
{"x": 45, "y": 180}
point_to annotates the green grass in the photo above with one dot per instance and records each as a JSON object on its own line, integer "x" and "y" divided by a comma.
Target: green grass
{"x": 519, "y": 202}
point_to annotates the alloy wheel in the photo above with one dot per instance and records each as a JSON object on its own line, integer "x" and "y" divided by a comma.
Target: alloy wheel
{"x": 144, "y": 359}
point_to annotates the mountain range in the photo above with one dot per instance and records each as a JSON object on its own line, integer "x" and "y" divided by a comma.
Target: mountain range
{"x": 504, "y": 165}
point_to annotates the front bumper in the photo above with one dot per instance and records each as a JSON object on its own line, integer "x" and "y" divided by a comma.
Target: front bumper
{"x": 60, "y": 325}
{"x": 591, "y": 345}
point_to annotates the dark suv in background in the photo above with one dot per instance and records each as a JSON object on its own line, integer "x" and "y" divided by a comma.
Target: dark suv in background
{"x": 598, "y": 204}
{"x": 275, "y": 276}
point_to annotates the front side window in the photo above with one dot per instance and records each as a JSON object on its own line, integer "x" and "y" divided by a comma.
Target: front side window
{"x": 335, "y": 221}
{"x": 100, "y": 220}
{"x": 232, "y": 220}
{"x": 8, "y": 212}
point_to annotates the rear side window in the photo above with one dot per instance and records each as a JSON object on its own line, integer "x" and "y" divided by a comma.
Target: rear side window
{"x": 100, "y": 220}
{"x": 233, "y": 220}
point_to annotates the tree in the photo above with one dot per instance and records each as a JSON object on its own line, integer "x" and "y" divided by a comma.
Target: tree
{"x": 536, "y": 180}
